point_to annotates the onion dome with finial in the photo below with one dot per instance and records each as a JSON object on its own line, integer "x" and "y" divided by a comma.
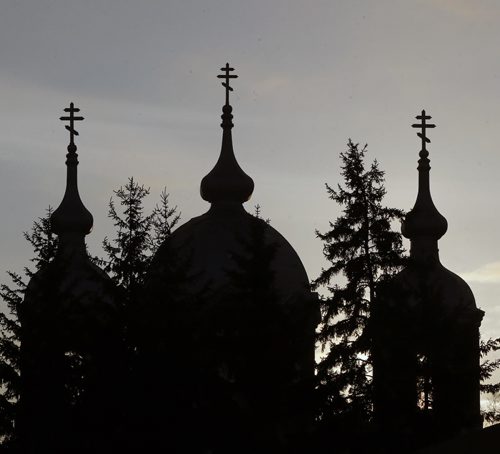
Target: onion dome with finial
{"x": 424, "y": 226}
{"x": 424, "y": 220}
{"x": 84, "y": 294}
{"x": 214, "y": 238}
{"x": 71, "y": 216}
{"x": 70, "y": 320}
{"x": 227, "y": 182}
{"x": 425, "y": 334}
{"x": 246, "y": 291}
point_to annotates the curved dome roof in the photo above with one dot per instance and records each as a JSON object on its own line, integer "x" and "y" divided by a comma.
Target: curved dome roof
{"x": 77, "y": 298}
{"x": 443, "y": 291}
{"x": 211, "y": 242}
{"x": 226, "y": 298}
{"x": 425, "y": 282}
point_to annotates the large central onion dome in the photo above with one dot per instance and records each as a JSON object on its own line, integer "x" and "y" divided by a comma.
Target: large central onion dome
{"x": 239, "y": 334}
{"x": 212, "y": 241}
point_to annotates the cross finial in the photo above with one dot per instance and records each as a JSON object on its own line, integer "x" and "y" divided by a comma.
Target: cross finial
{"x": 71, "y": 118}
{"x": 227, "y": 76}
{"x": 423, "y": 126}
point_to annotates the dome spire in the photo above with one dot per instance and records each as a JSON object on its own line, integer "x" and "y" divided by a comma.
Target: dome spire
{"x": 71, "y": 216}
{"x": 226, "y": 182}
{"x": 424, "y": 220}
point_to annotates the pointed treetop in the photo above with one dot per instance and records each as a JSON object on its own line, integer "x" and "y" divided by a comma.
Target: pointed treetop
{"x": 227, "y": 69}
{"x": 424, "y": 220}
{"x": 71, "y": 127}
{"x": 226, "y": 182}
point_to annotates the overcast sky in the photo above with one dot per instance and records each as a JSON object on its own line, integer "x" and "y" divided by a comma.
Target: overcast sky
{"x": 311, "y": 75}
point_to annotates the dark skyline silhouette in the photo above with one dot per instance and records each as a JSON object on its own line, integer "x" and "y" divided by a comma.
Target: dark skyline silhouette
{"x": 219, "y": 338}
{"x": 425, "y": 328}
{"x": 297, "y": 110}
{"x": 140, "y": 73}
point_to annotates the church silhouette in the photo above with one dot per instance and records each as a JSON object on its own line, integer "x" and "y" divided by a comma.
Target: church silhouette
{"x": 216, "y": 353}
{"x": 425, "y": 330}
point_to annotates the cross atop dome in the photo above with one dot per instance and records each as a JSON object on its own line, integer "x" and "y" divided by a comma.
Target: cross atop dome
{"x": 423, "y": 127}
{"x": 71, "y": 127}
{"x": 227, "y": 69}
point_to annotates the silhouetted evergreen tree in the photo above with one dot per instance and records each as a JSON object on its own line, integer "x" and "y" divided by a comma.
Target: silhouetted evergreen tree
{"x": 165, "y": 218}
{"x": 44, "y": 245}
{"x": 362, "y": 249}
{"x": 488, "y": 367}
{"x": 129, "y": 253}
{"x": 138, "y": 235}
{"x": 128, "y": 259}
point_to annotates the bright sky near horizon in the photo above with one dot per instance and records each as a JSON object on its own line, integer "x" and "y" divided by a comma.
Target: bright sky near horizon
{"x": 312, "y": 74}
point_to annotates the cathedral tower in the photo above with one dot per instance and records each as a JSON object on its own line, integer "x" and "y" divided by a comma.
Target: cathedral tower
{"x": 426, "y": 334}
{"x": 70, "y": 337}
{"x": 244, "y": 359}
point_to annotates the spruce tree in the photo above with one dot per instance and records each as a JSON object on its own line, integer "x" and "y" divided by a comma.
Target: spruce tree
{"x": 138, "y": 235}
{"x": 362, "y": 249}
{"x": 491, "y": 414}
{"x": 129, "y": 254}
{"x": 44, "y": 245}
{"x": 165, "y": 218}
{"x": 128, "y": 258}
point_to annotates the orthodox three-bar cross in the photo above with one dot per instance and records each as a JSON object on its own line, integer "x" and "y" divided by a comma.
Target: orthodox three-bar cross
{"x": 71, "y": 118}
{"x": 227, "y": 76}
{"x": 423, "y": 126}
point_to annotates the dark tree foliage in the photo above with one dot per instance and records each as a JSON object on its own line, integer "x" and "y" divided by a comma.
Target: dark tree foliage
{"x": 138, "y": 235}
{"x": 128, "y": 257}
{"x": 362, "y": 249}
{"x": 129, "y": 254}
{"x": 44, "y": 245}
{"x": 488, "y": 367}
{"x": 165, "y": 218}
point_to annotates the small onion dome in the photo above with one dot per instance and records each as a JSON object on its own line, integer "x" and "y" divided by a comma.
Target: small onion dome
{"x": 424, "y": 220}
{"x": 72, "y": 291}
{"x": 70, "y": 316}
{"x": 424, "y": 226}
{"x": 226, "y": 182}
{"x": 71, "y": 216}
